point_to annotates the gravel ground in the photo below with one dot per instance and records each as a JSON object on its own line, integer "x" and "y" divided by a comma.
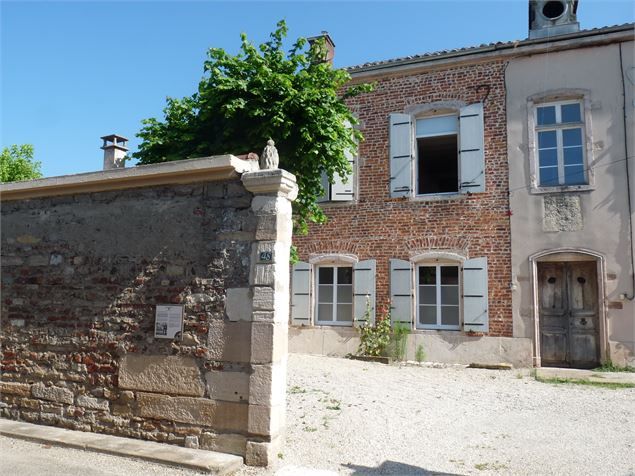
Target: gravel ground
{"x": 358, "y": 418}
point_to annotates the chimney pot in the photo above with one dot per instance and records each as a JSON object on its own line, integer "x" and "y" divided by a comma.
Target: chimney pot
{"x": 115, "y": 150}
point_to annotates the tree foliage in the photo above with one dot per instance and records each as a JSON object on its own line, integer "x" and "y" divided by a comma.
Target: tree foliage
{"x": 294, "y": 98}
{"x": 16, "y": 163}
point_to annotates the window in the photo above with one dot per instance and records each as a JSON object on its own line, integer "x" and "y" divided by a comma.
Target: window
{"x": 333, "y": 290}
{"x": 437, "y": 154}
{"x": 560, "y": 144}
{"x": 447, "y": 295}
{"x": 438, "y": 297}
{"x": 334, "y": 294}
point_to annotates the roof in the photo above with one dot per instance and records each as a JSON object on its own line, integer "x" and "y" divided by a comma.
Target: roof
{"x": 484, "y": 48}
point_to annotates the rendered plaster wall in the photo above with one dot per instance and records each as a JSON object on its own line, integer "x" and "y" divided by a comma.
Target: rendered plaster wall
{"x": 596, "y": 219}
{"x": 81, "y": 277}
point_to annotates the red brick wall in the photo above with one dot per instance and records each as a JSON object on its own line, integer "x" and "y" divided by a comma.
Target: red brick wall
{"x": 379, "y": 227}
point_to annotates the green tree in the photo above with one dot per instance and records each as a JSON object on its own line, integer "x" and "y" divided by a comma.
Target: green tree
{"x": 294, "y": 98}
{"x": 16, "y": 163}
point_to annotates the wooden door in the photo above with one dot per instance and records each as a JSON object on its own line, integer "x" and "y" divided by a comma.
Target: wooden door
{"x": 568, "y": 311}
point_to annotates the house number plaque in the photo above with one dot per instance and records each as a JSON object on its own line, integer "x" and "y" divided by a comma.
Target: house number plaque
{"x": 266, "y": 256}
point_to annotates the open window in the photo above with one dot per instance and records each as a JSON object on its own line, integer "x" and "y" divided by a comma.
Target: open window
{"x": 437, "y": 154}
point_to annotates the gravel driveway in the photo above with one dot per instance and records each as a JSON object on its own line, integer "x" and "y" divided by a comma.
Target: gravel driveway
{"x": 358, "y": 418}
{"x": 351, "y": 417}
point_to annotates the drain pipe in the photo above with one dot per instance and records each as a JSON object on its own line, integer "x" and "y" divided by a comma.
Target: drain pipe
{"x": 628, "y": 182}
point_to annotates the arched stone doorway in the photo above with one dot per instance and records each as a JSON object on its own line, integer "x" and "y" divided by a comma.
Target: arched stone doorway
{"x": 568, "y": 289}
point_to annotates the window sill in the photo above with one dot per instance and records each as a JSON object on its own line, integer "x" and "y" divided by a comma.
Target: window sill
{"x": 561, "y": 189}
{"x": 338, "y": 202}
{"x": 334, "y": 324}
{"x": 439, "y": 197}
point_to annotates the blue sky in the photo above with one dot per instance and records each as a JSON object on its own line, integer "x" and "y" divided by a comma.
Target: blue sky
{"x": 74, "y": 71}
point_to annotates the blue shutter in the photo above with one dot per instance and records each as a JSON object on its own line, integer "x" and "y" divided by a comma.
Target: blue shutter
{"x": 471, "y": 149}
{"x": 401, "y": 291}
{"x": 364, "y": 289}
{"x": 400, "y": 155}
{"x": 301, "y": 294}
{"x": 475, "y": 311}
{"x": 342, "y": 188}
{"x": 325, "y": 197}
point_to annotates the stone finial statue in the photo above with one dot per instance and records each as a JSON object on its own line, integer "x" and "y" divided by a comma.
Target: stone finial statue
{"x": 269, "y": 159}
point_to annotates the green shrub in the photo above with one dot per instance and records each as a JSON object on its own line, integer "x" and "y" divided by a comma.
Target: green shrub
{"x": 420, "y": 354}
{"x": 398, "y": 341}
{"x": 374, "y": 337}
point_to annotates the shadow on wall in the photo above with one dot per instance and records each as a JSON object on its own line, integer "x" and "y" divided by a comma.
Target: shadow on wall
{"x": 396, "y": 468}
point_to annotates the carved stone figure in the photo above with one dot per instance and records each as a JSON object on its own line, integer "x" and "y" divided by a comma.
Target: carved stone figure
{"x": 269, "y": 159}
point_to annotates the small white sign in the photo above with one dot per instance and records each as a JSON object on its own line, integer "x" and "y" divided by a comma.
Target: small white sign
{"x": 168, "y": 322}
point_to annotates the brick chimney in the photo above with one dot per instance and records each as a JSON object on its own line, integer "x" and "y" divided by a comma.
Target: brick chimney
{"x": 114, "y": 151}
{"x": 328, "y": 43}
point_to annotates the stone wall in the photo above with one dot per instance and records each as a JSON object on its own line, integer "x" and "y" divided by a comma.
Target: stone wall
{"x": 82, "y": 274}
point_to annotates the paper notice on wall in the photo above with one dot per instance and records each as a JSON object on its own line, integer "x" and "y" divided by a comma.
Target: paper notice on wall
{"x": 168, "y": 323}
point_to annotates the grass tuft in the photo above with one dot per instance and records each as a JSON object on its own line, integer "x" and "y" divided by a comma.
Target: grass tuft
{"x": 560, "y": 380}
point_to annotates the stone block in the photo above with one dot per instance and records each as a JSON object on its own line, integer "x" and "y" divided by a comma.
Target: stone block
{"x": 266, "y": 420}
{"x": 562, "y": 213}
{"x": 264, "y": 275}
{"x": 268, "y": 342}
{"x": 262, "y": 453}
{"x": 229, "y": 341}
{"x": 266, "y": 229}
{"x": 263, "y": 316}
{"x": 224, "y": 443}
{"x": 92, "y": 402}
{"x": 263, "y": 298}
{"x": 238, "y": 304}
{"x": 171, "y": 374}
{"x": 28, "y": 239}
{"x": 191, "y": 442}
{"x": 227, "y": 416}
{"x": 227, "y": 386}
{"x": 37, "y": 260}
{"x": 53, "y": 394}
{"x": 15, "y": 388}
{"x": 11, "y": 261}
{"x": 268, "y": 384}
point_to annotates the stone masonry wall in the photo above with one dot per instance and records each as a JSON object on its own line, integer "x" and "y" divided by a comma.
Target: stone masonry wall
{"x": 379, "y": 227}
{"x": 81, "y": 276}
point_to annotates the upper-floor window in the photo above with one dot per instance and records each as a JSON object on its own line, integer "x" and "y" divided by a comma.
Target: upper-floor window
{"x": 441, "y": 152}
{"x": 437, "y": 154}
{"x": 560, "y": 144}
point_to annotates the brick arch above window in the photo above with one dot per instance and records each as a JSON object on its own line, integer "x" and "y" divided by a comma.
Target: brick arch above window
{"x": 429, "y": 256}
{"x": 437, "y": 107}
{"x": 333, "y": 258}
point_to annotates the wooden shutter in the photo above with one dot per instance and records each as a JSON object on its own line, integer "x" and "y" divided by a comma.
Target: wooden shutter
{"x": 400, "y": 155}
{"x": 301, "y": 294}
{"x": 325, "y": 197}
{"x": 400, "y": 291}
{"x": 471, "y": 149}
{"x": 364, "y": 289}
{"x": 342, "y": 188}
{"x": 475, "y": 313}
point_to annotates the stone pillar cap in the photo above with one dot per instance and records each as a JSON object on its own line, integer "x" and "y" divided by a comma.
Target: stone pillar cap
{"x": 276, "y": 182}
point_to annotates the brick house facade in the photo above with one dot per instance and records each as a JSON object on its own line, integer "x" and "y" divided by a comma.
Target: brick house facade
{"x": 424, "y": 226}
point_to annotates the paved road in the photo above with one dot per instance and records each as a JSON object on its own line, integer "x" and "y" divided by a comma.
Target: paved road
{"x": 24, "y": 458}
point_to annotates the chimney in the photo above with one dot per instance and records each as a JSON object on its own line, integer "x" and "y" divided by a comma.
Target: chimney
{"x": 114, "y": 151}
{"x": 329, "y": 54}
{"x": 549, "y": 18}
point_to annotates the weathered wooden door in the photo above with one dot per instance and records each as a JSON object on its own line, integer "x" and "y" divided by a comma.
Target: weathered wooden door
{"x": 568, "y": 300}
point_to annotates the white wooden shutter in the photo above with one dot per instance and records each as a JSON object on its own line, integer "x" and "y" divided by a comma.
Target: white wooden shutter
{"x": 400, "y": 291}
{"x": 300, "y": 294}
{"x": 400, "y": 155}
{"x": 342, "y": 188}
{"x": 475, "y": 311}
{"x": 325, "y": 197}
{"x": 364, "y": 289}
{"x": 471, "y": 149}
